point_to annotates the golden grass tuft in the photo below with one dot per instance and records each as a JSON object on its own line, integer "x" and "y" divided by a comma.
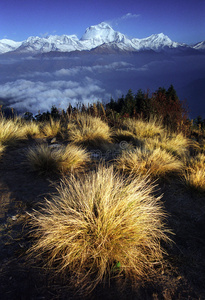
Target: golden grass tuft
{"x": 51, "y": 128}
{"x": 194, "y": 178}
{"x": 157, "y": 162}
{"x": 176, "y": 144}
{"x": 101, "y": 226}
{"x": 2, "y": 148}
{"x": 143, "y": 129}
{"x": 194, "y": 174}
{"x": 89, "y": 131}
{"x": 31, "y": 129}
{"x": 11, "y": 131}
{"x": 45, "y": 159}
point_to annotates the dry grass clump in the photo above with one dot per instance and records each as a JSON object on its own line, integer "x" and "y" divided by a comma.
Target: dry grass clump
{"x": 51, "y": 128}
{"x": 89, "y": 131}
{"x": 123, "y": 135}
{"x": 194, "y": 174}
{"x": 2, "y": 148}
{"x": 45, "y": 159}
{"x": 101, "y": 226}
{"x": 176, "y": 144}
{"x": 31, "y": 129}
{"x": 11, "y": 131}
{"x": 157, "y": 162}
{"x": 143, "y": 129}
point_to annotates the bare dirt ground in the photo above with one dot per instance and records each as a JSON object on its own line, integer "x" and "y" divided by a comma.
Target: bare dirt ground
{"x": 183, "y": 276}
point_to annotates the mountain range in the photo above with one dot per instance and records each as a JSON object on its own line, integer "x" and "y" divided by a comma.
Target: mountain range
{"x": 40, "y": 72}
{"x": 101, "y": 35}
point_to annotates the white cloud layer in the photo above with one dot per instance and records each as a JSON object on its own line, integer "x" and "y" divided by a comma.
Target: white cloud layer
{"x": 26, "y": 95}
{"x": 35, "y": 90}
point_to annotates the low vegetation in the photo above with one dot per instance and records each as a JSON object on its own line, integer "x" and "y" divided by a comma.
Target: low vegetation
{"x": 2, "y": 148}
{"x": 89, "y": 131}
{"x": 51, "y": 128}
{"x": 101, "y": 226}
{"x": 11, "y": 131}
{"x": 194, "y": 174}
{"x": 157, "y": 163}
{"x": 142, "y": 129}
{"x": 45, "y": 159}
{"x": 105, "y": 220}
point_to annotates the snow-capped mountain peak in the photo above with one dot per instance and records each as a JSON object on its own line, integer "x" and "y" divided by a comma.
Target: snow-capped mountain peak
{"x": 8, "y": 45}
{"x": 63, "y": 43}
{"x": 200, "y": 46}
{"x": 102, "y": 35}
{"x": 100, "y": 31}
{"x": 155, "y": 42}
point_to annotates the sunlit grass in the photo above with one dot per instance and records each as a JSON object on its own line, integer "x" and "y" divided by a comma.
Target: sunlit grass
{"x": 194, "y": 174}
{"x": 2, "y": 148}
{"x": 101, "y": 226}
{"x": 45, "y": 159}
{"x": 51, "y": 128}
{"x": 176, "y": 144}
{"x": 157, "y": 162}
{"x": 31, "y": 129}
{"x": 11, "y": 131}
{"x": 143, "y": 129}
{"x": 89, "y": 131}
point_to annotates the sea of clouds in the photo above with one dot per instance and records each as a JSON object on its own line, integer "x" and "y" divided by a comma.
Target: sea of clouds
{"x": 36, "y": 84}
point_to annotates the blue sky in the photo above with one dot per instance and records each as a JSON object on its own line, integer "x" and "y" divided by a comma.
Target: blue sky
{"x": 181, "y": 20}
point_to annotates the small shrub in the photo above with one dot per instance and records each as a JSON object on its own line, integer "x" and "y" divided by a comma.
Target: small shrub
{"x": 45, "y": 159}
{"x": 101, "y": 226}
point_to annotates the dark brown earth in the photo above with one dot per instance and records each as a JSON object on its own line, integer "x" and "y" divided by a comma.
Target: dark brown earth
{"x": 182, "y": 277}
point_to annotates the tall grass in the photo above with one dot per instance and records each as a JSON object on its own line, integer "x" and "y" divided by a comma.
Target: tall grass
{"x": 176, "y": 144}
{"x": 157, "y": 162}
{"x": 51, "y": 128}
{"x": 89, "y": 131}
{"x": 2, "y": 148}
{"x": 31, "y": 129}
{"x": 45, "y": 159}
{"x": 101, "y": 226}
{"x": 194, "y": 174}
{"x": 143, "y": 129}
{"x": 11, "y": 131}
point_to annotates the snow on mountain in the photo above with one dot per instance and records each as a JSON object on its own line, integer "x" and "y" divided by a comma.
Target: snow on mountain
{"x": 94, "y": 36}
{"x": 200, "y": 46}
{"x": 8, "y": 45}
{"x": 102, "y": 34}
{"x": 63, "y": 43}
{"x": 155, "y": 42}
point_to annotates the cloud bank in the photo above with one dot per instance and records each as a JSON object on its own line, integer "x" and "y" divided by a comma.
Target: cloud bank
{"x": 26, "y": 95}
